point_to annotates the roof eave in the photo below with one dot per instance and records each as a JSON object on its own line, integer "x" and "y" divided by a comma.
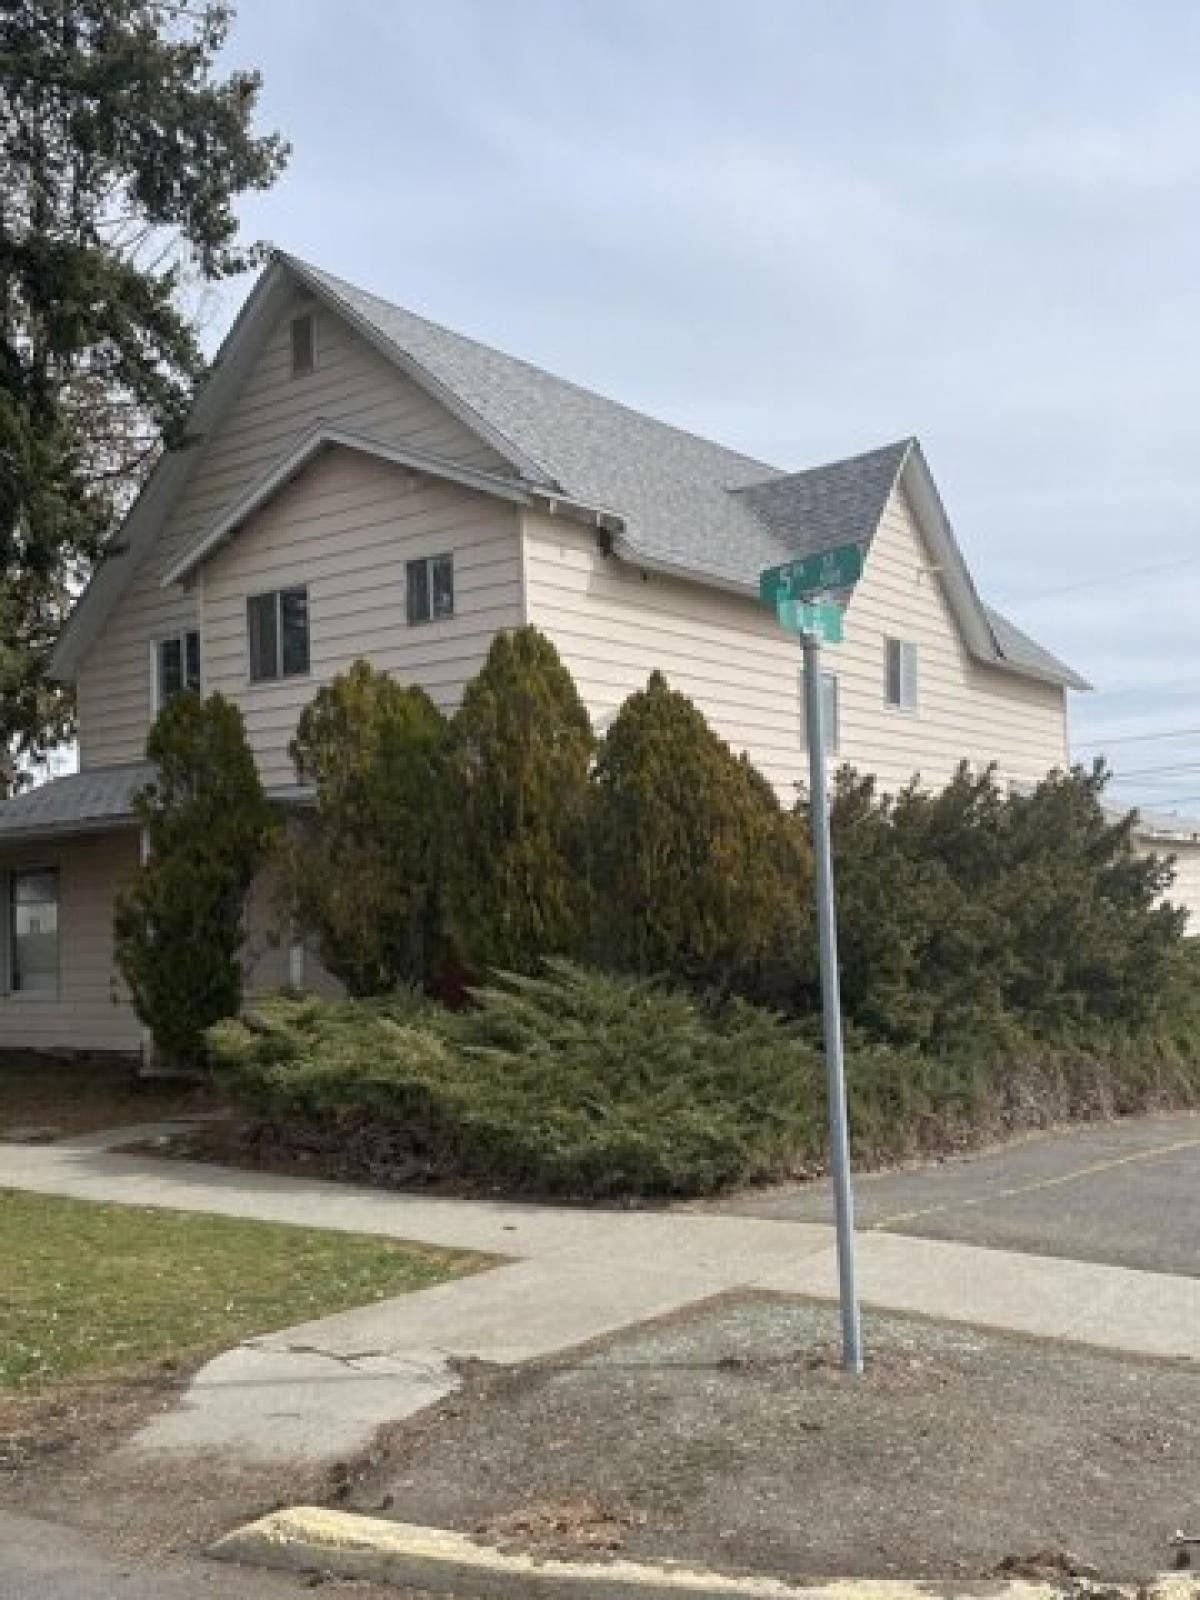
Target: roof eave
{"x": 324, "y": 436}
{"x": 627, "y": 550}
{"x": 83, "y": 827}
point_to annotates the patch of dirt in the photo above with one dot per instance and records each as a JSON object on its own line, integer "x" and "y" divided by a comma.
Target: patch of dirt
{"x": 45, "y": 1097}
{"x": 73, "y": 1422}
{"x": 249, "y": 1147}
{"x": 731, "y": 1435}
{"x": 564, "y": 1527}
{"x": 63, "y": 1458}
{"x": 62, "y": 1461}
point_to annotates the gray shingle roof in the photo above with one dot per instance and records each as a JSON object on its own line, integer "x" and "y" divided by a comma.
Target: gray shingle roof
{"x": 680, "y": 501}
{"x": 1027, "y": 654}
{"x": 100, "y": 797}
{"x": 684, "y": 501}
{"x": 670, "y": 487}
{"x": 836, "y": 504}
{"x": 82, "y": 800}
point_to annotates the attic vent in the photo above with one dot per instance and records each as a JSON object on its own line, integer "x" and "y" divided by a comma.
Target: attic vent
{"x": 304, "y": 348}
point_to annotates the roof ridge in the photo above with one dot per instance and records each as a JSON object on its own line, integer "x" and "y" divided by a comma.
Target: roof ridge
{"x": 904, "y": 443}
{"x": 531, "y": 366}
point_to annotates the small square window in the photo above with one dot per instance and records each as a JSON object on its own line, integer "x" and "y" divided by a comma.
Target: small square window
{"x": 830, "y": 711}
{"x": 277, "y": 630}
{"x": 429, "y": 583}
{"x": 900, "y": 674}
{"x": 304, "y": 345}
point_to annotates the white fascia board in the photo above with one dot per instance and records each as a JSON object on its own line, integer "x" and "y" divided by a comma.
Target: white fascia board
{"x": 325, "y": 436}
{"x": 955, "y": 575}
{"x": 969, "y": 611}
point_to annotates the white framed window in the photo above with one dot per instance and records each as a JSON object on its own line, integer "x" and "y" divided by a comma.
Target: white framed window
{"x": 175, "y": 665}
{"x": 831, "y": 718}
{"x": 31, "y": 931}
{"x": 900, "y": 674}
{"x": 303, "y": 344}
{"x": 277, "y": 633}
{"x": 429, "y": 586}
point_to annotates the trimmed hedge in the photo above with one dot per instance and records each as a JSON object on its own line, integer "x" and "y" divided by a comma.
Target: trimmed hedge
{"x": 586, "y": 1085}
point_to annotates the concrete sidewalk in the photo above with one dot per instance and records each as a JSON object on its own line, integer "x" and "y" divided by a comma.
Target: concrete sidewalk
{"x": 320, "y": 1390}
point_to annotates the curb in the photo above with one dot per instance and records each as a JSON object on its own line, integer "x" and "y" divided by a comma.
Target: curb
{"x": 338, "y": 1543}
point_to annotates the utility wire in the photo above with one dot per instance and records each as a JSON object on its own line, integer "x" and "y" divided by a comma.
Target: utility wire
{"x": 1136, "y": 738}
{"x": 1156, "y": 687}
{"x": 1125, "y": 773}
{"x": 1104, "y": 583}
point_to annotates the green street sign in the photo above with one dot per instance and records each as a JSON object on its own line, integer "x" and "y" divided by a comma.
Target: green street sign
{"x": 822, "y": 617}
{"x": 839, "y": 568}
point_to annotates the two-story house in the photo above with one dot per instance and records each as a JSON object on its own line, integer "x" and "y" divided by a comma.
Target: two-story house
{"x": 358, "y": 481}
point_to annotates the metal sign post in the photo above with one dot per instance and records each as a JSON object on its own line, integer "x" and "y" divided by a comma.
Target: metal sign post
{"x": 793, "y": 590}
{"x": 831, "y": 1004}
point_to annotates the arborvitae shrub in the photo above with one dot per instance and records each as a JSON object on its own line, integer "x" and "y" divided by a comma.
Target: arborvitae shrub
{"x": 698, "y": 872}
{"x": 178, "y": 924}
{"x": 516, "y": 804}
{"x": 363, "y": 868}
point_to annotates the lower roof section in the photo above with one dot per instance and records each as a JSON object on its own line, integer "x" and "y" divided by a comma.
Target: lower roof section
{"x": 96, "y": 800}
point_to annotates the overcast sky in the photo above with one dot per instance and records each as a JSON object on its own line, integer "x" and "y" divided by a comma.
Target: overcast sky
{"x": 809, "y": 228}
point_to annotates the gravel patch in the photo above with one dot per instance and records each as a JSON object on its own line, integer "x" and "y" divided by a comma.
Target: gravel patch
{"x": 730, "y": 1435}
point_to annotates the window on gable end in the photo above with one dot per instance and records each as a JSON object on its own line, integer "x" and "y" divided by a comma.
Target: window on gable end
{"x": 900, "y": 674}
{"x": 304, "y": 345}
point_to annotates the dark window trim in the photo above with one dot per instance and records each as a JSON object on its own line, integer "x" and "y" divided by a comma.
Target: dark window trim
{"x": 8, "y": 934}
{"x": 428, "y": 563}
{"x": 279, "y": 675}
{"x": 181, "y": 638}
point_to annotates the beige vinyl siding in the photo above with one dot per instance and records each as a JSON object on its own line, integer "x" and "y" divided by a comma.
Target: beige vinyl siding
{"x": 1185, "y": 891}
{"x": 346, "y": 527}
{"x": 91, "y": 1010}
{"x": 352, "y": 385}
{"x": 615, "y": 624}
{"x": 266, "y": 955}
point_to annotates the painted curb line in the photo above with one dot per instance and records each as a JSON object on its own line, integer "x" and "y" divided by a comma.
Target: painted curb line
{"x": 312, "y": 1539}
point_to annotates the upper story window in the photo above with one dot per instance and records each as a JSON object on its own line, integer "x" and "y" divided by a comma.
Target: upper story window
{"x": 900, "y": 674}
{"x": 31, "y": 923}
{"x": 176, "y": 666}
{"x": 430, "y": 588}
{"x": 304, "y": 345}
{"x": 277, "y": 627}
{"x": 830, "y": 711}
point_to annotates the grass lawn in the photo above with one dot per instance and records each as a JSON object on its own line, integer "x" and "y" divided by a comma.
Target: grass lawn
{"x": 106, "y": 1291}
{"x": 84, "y": 1096}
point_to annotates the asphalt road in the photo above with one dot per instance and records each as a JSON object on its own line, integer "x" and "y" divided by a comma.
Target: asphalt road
{"x": 1126, "y": 1193}
{"x": 45, "y": 1561}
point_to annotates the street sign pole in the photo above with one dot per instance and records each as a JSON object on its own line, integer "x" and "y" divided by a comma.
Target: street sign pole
{"x": 831, "y": 1003}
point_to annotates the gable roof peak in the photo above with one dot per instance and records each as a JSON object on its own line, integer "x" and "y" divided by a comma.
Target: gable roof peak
{"x": 421, "y": 336}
